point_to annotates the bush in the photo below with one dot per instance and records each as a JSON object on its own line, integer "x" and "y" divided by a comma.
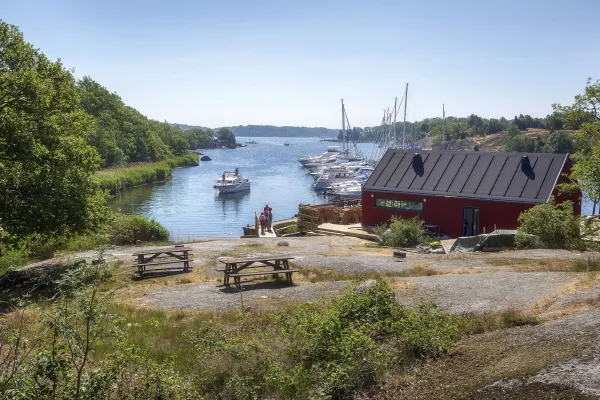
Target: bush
{"x": 554, "y": 226}
{"x": 293, "y": 228}
{"x": 350, "y": 345}
{"x": 402, "y": 233}
{"x": 332, "y": 349}
{"x": 127, "y": 229}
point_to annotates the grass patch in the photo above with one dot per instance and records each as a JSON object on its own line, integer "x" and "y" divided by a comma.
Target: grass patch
{"x": 589, "y": 264}
{"x": 474, "y": 323}
{"x": 117, "y": 179}
{"x": 252, "y": 246}
{"x": 315, "y": 275}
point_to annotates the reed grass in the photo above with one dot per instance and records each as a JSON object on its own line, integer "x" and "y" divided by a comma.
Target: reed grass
{"x": 116, "y": 179}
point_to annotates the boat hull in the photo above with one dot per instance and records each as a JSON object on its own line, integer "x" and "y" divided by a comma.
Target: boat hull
{"x": 224, "y": 189}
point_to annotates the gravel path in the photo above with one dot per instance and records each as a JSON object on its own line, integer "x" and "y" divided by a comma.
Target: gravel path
{"x": 485, "y": 292}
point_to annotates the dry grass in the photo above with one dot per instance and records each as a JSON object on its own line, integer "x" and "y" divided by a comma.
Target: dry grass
{"x": 477, "y": 362}
{"x": 474, "y": 323}
{"x": 314, "y": 275}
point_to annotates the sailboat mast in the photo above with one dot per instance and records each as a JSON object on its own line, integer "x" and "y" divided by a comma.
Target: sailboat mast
{"x": 343, "y": 128}
{"x": 395, "y": 114}
{"x": 404, "y": 129}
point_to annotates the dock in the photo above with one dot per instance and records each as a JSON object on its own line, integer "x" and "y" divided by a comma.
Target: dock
{"x": 355, "y": 230}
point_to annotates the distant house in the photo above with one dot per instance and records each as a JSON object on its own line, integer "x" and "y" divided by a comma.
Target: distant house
{"x": 463, "y": 193}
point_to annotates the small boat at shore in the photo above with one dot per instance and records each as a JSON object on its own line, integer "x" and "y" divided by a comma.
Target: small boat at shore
{"x": 232, "y": 182}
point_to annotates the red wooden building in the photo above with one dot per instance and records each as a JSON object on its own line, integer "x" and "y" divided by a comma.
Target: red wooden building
{"x": 463, "y": 193}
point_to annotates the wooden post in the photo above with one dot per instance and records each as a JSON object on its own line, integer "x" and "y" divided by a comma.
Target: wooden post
{"x": 484, "y": 230}
{"x": 256, "y": 224}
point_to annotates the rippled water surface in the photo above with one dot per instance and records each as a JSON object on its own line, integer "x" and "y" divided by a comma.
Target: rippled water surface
{"x": 188, "y": 205}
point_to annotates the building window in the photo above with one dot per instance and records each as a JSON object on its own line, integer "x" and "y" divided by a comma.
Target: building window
{"x": 399, "y": 204}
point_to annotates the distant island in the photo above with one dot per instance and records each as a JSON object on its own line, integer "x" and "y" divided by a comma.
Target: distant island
{"x": 272, "y": 131}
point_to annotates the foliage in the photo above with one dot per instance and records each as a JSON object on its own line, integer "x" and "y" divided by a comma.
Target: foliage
{"x": 293, "y": 228}
{"x": 46, "y": 167}
{"x": 281, "y": 131}
{"x": 128, "y": 229}
{"x": 226, "y": 138}
{"x": 116, "y": 179}
{"x": 198, "y": 138}
{"x": 553, "y": 225}
{"x": 514, "y": 140}
{"x": 56, "y": 358}
{"x": 402, "y": 232}
{"x": 123, "y": 135}
{"x": 329, "y": 350}
{"x": 558, "y": 142}
{"x": 584, "y": 116}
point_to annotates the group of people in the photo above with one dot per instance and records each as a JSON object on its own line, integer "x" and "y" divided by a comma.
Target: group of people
{"x": 266, "y": 219}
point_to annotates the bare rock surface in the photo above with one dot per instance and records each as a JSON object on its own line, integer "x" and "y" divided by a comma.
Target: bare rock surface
{"x": 581, "y": 372}
{"x": 262, "y": 295}
{"x": 484, "y": 292}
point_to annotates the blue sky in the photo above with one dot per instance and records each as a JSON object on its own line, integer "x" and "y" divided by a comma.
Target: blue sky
{"x": 220, "y": 63}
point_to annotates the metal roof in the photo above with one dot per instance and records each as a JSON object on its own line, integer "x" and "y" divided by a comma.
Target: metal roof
{"x": 475, "y": 175}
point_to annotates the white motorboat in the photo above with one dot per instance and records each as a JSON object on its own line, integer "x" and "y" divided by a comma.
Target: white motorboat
{"x": 232, "y": 182}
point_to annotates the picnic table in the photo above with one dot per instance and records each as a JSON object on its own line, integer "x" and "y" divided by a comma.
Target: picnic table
{"x": 162, "y": 257}
{"x": 234, "y": 266}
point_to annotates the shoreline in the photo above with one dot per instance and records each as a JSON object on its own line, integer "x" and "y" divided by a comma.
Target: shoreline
{"x": 114, "y": 180}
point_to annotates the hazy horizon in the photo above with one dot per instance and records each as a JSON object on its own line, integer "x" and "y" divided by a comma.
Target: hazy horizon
{"x": 233, "y": 63}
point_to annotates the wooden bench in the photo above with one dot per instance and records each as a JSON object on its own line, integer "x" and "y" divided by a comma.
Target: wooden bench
{"x": 234, "y": 266}
{"x": 165, "y": 256}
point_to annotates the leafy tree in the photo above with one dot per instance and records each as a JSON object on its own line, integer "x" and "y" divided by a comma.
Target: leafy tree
{"x": 584, "y": 116}
{"x": 514, "y": 140}
{"x": 493, "y": 126}
{"x": 124, "y": 135}
{"x": 558, "y": 142}
{"x": 553, "y": 225}
{"x": 226, "y": 138}
{"x": 200, "y": 139}
{"x": 46, "y": 166}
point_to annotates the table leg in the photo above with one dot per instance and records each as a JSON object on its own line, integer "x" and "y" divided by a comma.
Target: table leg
{"x": 140, "y": 266}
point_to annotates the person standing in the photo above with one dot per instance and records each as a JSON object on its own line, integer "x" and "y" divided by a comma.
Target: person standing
{"x": 268, "y": 216}
{"x": 262, "y": 221}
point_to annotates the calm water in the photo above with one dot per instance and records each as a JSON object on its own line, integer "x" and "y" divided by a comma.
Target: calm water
{"x": 189, "y": 207}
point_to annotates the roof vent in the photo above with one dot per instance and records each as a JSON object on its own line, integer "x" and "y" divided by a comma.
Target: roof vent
{"x": 417, "y": 160}
{"x": 525, "y": 164}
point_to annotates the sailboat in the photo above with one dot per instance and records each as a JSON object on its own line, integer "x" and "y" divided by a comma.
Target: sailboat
{"x": 250, "y": 141}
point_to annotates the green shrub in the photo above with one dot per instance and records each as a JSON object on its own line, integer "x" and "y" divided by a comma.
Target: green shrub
{"x": 127, "y": 229}
{"x": 348, "y": 346}
{"x": 402, "y": 233}
{"x": 293, "y": 228}
{"x": 554, "y": 226}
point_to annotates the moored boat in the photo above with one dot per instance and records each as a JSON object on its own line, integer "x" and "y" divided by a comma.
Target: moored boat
{"x": 232, "y": 182}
